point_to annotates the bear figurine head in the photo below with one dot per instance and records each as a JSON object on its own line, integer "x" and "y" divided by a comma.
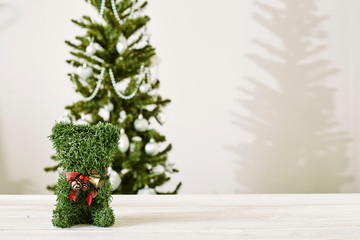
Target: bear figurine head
{"x": 82, "y": 148}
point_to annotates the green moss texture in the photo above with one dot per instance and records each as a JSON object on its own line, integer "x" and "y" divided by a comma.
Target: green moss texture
{"x": 81, "y": 148}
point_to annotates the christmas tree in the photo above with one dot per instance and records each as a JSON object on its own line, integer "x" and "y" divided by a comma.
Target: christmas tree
{"x": 116, "y": 75}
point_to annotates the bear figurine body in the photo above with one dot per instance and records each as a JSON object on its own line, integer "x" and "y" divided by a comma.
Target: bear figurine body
{"x": 83, "y": 190}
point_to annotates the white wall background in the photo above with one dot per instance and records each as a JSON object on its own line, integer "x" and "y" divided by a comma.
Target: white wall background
{"x": 202, "y": 45}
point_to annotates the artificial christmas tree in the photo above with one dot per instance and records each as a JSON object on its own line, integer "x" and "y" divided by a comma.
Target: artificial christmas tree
{"x": 116, "y": 73}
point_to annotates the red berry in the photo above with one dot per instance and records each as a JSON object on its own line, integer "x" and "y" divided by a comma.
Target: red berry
{"x": 81, "y": 177}
{"x": 86, "y": 178}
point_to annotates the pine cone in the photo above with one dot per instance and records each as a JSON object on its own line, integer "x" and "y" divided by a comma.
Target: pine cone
{"x": 85, "y": 185}
{"x": 76, "y": 184}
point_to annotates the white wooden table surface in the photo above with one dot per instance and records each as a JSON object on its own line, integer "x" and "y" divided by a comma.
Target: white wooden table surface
{"x": 198, "y": 217}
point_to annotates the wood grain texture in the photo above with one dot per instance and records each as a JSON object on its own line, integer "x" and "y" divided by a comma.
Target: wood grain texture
{"x": 327, "y": 216}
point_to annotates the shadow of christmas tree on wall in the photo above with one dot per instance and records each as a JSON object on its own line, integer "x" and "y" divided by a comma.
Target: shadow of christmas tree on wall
{"x": 299, "y": 146}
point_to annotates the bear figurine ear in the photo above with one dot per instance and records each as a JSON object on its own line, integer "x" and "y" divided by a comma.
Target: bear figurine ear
{"x": 59, "y": 132}
{"x": 61, "y": 128}
{"x": 108, "y": 135}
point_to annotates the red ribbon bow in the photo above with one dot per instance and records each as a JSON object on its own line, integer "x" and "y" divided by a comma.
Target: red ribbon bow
{"x": 75, "y": 193}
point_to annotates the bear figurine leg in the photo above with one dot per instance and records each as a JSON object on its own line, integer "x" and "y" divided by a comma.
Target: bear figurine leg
{"x": 103, "y": 215}
{"x": 62, "y": 218}
{"x": 65, "y": 214}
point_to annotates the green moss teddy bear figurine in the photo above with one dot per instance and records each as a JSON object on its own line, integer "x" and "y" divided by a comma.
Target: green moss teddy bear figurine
{"x": 83, "y": 189}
